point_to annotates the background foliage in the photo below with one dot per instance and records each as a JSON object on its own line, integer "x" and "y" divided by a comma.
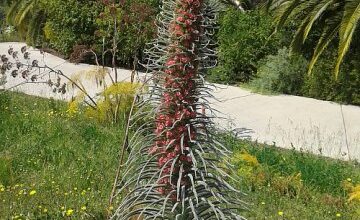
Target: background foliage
{"x": 245, "y": 42}
{"x": 248, "y": 55}
{"x": 63, "y": 26}
{"x": 244, "y": 39}
{"x": 282, "y": 73}
{"x": 70, "y": 23}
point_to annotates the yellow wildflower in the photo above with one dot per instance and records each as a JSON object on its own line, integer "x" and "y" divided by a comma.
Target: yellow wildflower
{"x": 83, "y": 208}
{"x": 338, "y": 215}
{"x": 69, "y": 212}
{"x": 45, "y": 210}
{"x": 246, "y": 157}
{"x": 32, "y": 192}
{"x": 280, "y": 213}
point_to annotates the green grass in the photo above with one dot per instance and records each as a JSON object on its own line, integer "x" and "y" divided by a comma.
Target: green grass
{"x": 295, "y": 184}
{"x": 70, "y": 162}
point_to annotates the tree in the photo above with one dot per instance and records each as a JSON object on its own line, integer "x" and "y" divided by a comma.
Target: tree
{"x": 333, "y": 17}
{"x": 27, "y": 17}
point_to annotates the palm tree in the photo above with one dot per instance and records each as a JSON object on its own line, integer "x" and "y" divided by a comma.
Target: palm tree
{"x": 28, "y": 17}
{"x": 18, "y": 11}
{"x": 333, "y": 17}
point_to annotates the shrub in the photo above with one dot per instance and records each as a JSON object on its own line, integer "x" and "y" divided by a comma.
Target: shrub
{"x": 70, "y": 22}
{"x": 135, "y": 27}
{"x": 112, "y": 105}
{"x": 244, "y": 39}
{"x": 81, "y": 53}
{"x": 115, "y": 103}
{"x": 2, "y": 18}
{"x": 283, "y": 73}
{"x": 322, "y": 84}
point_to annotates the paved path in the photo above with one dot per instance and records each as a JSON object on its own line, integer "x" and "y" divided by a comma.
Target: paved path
{"x": 306, "y": 124}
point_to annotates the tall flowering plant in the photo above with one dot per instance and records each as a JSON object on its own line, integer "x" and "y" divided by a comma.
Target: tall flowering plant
{"x": 173, "y": 169}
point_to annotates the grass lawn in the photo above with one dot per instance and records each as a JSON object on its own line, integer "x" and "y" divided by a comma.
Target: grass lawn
{"x": 50, "y": 163}
{"x": 286, "y": 184}
{"x": 54, "y": 166}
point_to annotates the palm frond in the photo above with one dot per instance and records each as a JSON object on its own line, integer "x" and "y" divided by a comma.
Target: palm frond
{"x": 347, "y": 29}
{"x": 315, "y": 14}
{"x": 286, "y": 8}
{"x": 315, "y": 9}
{"x": 24, "y": 12}
{"x": 320, "y": 12}
{"x": 328, "y": 34}
{"x": 12, "y": 12}
{"x": 35, "y": 25}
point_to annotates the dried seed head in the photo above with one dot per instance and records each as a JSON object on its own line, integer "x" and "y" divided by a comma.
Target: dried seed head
{"x": 15, "y": 54}
{"x": 35, "y": 63}
{"x": 10, "y": 51}
{"x": 19, "y": 65}
{"x": 33, "y": 78}
{"x": 23, "y": 49}
{"x": 26, "y": 55}
{"x": 4, "y": 58}
{"x": 14, "y": 73}
{"x": 25, "y": 74}
{"x": 50, "y": 83}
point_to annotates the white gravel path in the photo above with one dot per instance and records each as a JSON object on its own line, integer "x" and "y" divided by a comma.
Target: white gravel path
{"x": 307, "y": 124}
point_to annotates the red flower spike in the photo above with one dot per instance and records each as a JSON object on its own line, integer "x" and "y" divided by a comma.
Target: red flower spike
{"x": 177, "y": 100}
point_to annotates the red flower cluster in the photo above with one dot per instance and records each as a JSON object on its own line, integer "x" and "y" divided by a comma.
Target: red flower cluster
{"x": 173, "y": 128}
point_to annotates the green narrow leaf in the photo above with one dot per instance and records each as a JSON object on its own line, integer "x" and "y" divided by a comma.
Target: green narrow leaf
{"x": 10, "y": 17}
{"x": 291, "y": 6}
{"x": 316, "y": 13}
{"x": 327, "y": 35}
{"x": 347, "y": 29}
{"x": 23, "y": 13}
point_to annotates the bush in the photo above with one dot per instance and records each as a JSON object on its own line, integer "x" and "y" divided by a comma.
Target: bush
{"x": 112, "y": 105}
{"x": 70, "y": 22}
{"x": 135, "y": 27}
{"x": 282, "y": 73}
{"x": 91, "y": 24}
{"x": 244, "y": 39}
{"x": 322, "y": 84}
{"x": 2, "y": 18}
{"x": 115, "y": 103}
